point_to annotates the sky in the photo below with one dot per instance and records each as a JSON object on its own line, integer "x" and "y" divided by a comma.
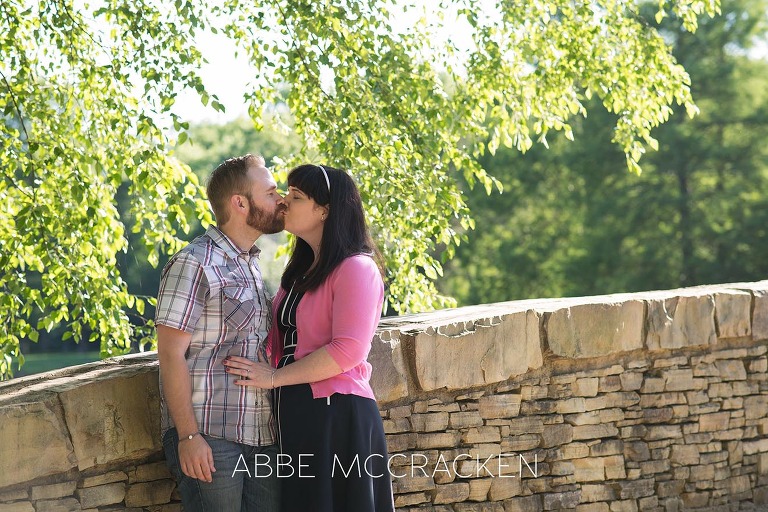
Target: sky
{"x": 224, "y": 76}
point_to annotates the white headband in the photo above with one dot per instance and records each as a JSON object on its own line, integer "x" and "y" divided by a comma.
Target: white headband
{"x": 327, "y": 181}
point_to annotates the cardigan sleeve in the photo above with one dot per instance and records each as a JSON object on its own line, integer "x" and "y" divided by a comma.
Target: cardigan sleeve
{"x": 358, "y": 295}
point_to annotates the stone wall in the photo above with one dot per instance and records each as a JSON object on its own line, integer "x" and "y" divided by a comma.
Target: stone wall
{"x": 84, "y": 438}
{"x": 654, "y": 401}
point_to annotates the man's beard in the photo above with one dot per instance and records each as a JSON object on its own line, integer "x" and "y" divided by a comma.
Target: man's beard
{"x": 265, "y": 222}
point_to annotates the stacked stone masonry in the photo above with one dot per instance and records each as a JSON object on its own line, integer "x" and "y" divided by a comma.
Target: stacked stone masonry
{"x": 653, "y": 401}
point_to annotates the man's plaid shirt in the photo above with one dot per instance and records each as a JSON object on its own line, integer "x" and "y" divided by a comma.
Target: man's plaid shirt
{"x": 214, "y": 290}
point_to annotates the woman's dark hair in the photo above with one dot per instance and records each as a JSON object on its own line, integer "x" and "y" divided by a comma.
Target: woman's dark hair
{"x": 345, "y": 232}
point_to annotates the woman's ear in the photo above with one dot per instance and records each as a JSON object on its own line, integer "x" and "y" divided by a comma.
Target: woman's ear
{"x": 324, "y": 211}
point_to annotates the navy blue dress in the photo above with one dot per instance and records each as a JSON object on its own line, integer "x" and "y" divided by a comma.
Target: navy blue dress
{"x": 336, "y": 445}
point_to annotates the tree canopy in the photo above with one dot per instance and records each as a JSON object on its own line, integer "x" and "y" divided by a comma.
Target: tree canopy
{"x": 573, "y": 224}
{"x": 87, "y": 95}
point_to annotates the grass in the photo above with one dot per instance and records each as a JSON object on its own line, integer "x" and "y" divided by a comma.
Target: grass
{"x": 39, "y": 363}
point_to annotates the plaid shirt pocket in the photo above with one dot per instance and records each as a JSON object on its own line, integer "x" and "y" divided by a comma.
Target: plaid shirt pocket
{"x": 239, "y": 307}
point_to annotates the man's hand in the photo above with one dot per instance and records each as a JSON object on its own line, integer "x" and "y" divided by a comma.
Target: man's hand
{"x": 196, "y": 458}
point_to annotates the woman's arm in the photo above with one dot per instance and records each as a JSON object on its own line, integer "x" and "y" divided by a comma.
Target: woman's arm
{"x": 315, "y": 366}
{"x": 358, "y": 294}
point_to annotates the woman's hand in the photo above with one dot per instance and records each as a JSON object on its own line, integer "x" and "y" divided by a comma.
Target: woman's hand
{"x": 258, "y": 374}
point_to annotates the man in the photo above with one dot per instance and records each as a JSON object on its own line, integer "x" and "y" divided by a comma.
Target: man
{"x": 212, "y": 304}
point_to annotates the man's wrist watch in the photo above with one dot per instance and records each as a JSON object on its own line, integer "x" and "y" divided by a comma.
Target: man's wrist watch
{"x": 189, "y": 437}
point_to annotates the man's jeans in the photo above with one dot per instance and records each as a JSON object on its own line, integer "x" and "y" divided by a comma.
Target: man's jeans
{"x": 233, "y": 489}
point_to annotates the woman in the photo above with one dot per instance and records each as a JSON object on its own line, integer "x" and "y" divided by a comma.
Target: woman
{"x": 324, "y": 317}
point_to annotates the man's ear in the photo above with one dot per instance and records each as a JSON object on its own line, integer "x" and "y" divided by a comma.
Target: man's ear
{"x": 238, "y": 203}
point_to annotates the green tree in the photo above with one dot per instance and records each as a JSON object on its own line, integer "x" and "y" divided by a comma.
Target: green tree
{"x": 575, "y": 224}
{"x": 80, "y": 116}
{"x": 87, "y": 94}
{"x": 717, "y": 164}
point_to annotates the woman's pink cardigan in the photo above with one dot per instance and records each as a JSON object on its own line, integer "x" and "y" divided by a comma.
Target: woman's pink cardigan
{"x": 341, "y": 315}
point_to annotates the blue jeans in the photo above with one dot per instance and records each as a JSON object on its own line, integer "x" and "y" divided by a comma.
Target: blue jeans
{"x": 245, "y": 479}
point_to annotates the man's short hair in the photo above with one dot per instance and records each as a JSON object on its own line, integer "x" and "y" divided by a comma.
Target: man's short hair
{"x": 228, "y": 179}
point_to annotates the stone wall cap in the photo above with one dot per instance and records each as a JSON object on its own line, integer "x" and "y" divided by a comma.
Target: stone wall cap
{"x": 34, "y": 387}
{"x": 389, "y": 329}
